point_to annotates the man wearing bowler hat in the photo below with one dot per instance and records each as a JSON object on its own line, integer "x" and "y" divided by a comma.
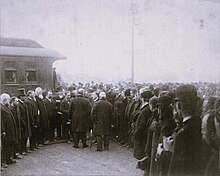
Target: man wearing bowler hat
{"x": 187, "y": 146}
{"x": 79, "y": 113}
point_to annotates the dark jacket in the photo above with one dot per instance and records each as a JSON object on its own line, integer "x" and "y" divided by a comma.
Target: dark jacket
{"x": 44, "y": 122}
{"x": 102, "y": 117}
{"x": 79, "y": 113}
{"x": 32, "y": 112}
{"x": 140, "y": 132}
{"x": 23, "y": 111}
{"x": 187, "y": 146}
{"x": 64, "y": 108}
{"x": 50, "y": 107}
{"x": 9, "y": 124}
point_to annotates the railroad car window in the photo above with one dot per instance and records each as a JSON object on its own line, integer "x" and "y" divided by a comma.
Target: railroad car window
{"x": 31, "y": 76}
{"x": 10, "y": 76}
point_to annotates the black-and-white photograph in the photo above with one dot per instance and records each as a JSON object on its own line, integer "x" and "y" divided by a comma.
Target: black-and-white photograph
{"x": 110, "y": 87}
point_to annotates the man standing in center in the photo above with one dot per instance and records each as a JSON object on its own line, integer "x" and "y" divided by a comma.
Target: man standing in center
{"x": 102, "y": 118}
{"x": 79, "y": 113}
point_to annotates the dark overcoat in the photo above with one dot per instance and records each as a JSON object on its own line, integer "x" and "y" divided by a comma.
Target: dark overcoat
{"x": 50, "y": 107}
{"x": 44, "y": 122}
{"x": 64, "y": 108}
{"x": 32, "y": 112}
{"x": 140, "y": 132}
{"x": 23, "y": 111}
{"x": 79, "y": 113}
{"x": 9, "y": 124}
{"x": 102, "y": 117}
{"x": 186, "y": 157}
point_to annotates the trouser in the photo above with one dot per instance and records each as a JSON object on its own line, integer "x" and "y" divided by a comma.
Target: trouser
{"x": 23, "y": 144}
{"x": 79, "y": 135}
{"x": 43, "y": 135}
{"x": 58, "y": 125}
{"x": 66, "y": 131}
{"x": 34, "y": 139}
{"x": 164, "y": 162}
{"x": 101, "y": 138}
{"x": 51, "y": 130}
{"x": 8, "y": 150}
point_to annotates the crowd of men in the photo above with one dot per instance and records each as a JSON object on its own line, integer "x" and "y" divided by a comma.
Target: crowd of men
{"x": 174, "y": 129}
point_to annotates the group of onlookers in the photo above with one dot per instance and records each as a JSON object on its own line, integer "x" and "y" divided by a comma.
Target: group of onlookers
{"x": 172, "y": 128}
{"x": 30, "y": 121}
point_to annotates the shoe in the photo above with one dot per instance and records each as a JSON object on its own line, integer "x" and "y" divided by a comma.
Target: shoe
{"x": 46, "y": 142}
{"x": 75, "y": 146}
{"x": 4, "y": 165}
{"x": 68, "y": 142}
{"x": 2, "y": 169}
{"x": 11, "y": 161}
{"x": 23, "y": 153}
{"x": 28, "y": 151}
{"x": 84, "y": 146}
{"x": 34, "y": 149}
{"x": 40, "y": 145}
{"x": 17, "y": 157}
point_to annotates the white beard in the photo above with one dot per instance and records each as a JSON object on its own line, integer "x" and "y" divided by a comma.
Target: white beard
{"x": 40, "y": 96}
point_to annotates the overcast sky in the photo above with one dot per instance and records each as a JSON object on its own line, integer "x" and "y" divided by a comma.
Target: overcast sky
{"x": 175, "y": 40}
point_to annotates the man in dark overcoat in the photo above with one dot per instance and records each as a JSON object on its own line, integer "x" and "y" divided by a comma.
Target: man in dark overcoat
{"x": 102, "y": 118}
{"x": 26, "y": 132}
{"x": 185, "y": 160}
{"x": 79, "y": 113}
{"x": 50, "y": 107}
{"x": 44, "y": 123}
{"x": 32, "y": 113}
{"x": 141, "y": 126}
{"x": 64, "y": 108}
{"x": 11, "y": 136}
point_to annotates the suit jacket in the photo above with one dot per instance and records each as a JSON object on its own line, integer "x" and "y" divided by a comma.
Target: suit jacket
{"x": 187, "y": 147}
{"x": 9, "y": 124}
{"x": 102, "y": 117}
{"x": 79, "y": 113}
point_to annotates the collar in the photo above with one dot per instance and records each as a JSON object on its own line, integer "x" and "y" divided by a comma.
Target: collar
{"x": 144, "y": 104}
{"x": 48, "y": 99}
{"x": 186, "y": 118}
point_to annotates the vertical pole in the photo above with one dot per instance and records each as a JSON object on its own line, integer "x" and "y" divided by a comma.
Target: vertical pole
{"x": 132, "y": 54}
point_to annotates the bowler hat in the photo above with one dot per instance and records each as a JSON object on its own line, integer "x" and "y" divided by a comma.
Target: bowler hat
{"x": 186, "y": 92}
{"x": 146, "y": 94}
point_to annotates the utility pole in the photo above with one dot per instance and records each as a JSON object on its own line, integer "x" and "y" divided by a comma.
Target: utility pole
{"x": 134, "y": 7}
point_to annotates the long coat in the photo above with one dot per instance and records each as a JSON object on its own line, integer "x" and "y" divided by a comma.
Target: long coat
{"x": 50, "y": 107}
{"x": 32, "y": 112}
{"x": 23, "y": 112}
{"x": 64, "y": 108}
{"x": 44, "y": 122}
{"x": 102, "y": 117}
{"x": 9, "y": 124}
{"x": 140, "y": 132}
{"x": 79, "y": 113}
{"x": 186, "y": 160}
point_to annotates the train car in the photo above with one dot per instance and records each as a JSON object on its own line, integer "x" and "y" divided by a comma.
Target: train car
{"x": 25, "y": 65}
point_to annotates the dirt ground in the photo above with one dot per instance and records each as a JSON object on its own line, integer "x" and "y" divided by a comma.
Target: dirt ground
{"x": 63, "y": 159}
